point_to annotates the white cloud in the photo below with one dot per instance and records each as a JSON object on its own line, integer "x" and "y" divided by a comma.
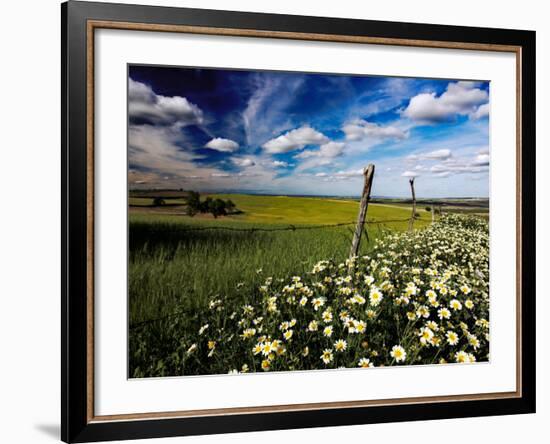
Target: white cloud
{"x": 340, "y": 175}
{"x": 332, "y": 149}
{"x": 442, "y": 155}
{"x": 460, "y": 98}
{"x": 477, "y": 165}
{"x": 327, "y": 150}
{"x": 140, "y": 92}
{"x": 279, "y": 164}
{"x": 224, "y": 145}
{"x": 481, "y": 159}
{"x": 350, "y": 173}
{"x": 144, "y": 106}
{"x": 360, "y": 129}
{"x": 295, "y": 140}
{"x": 325, "y": 155}
{"x": 482, "y": 111}
{"x": 438, "y": 154}
{"x": 156, "y": 148}
{"x": 157, "y": 152}
{"x": 306, "y": 154}
{"x": 244, "y": 161}
{"x": 266, "y": 112}
{"x": 410, "y": 174}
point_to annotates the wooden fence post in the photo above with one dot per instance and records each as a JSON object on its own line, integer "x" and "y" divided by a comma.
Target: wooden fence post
{"x": 433, "y": 214}
{"x": 369, "y": 174}
{"x": 411, "y": 222}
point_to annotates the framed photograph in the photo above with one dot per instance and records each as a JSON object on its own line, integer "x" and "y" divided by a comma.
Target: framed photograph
{"x": 276, "y": 221}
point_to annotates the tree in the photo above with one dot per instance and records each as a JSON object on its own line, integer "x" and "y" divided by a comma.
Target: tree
{"x": 206, "y": 204}
{"x": 230, "y": 206}
{"x": 193, "y": 203}
{"x": 217, "y": 208}
{"x": 158, "y": 202}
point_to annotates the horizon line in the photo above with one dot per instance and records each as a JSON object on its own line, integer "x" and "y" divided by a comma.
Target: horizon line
{"x": 305, "y": 194}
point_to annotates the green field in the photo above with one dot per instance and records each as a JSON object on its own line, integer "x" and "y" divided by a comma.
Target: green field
{"x": 179, "y": 262}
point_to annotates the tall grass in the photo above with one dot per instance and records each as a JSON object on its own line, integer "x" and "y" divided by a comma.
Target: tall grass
{"x": 173, "y": 267}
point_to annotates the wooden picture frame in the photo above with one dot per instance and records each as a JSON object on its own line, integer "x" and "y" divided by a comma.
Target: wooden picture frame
{"x": 79, "y": 22}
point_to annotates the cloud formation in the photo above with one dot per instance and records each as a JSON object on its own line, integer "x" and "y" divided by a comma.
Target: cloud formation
{"x": 244, "y": 162}
{"x": 360, "y": 129}
{"x": 144, "y": 106}
{"x": 463, "y": 166}
{"x": 481, "y": 112}
{"x": 340, "y": 176}
{"x": 325, "y": 155}
{"x": 481, "y": 160}
{"x": 294, "y": 140}
{"x": 223, "y": 145}
{"x": 460, "y": 98}
{"x": 328, "y": 150}
{"x": 442, "y": 154}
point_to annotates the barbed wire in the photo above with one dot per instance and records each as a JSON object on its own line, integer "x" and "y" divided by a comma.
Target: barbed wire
{"x": 289, "y": 228}
{"x": 152, "y": 321}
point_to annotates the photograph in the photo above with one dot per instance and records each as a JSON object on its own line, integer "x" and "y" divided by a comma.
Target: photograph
{"x": 283, "y": 221}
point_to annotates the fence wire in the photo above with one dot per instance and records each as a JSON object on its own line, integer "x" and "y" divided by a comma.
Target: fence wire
{"x": 289, "y": 228}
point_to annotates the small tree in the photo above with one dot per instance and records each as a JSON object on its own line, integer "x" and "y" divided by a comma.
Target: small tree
{"x": 158, "y": 202}
{"x": 230, "y": 206}
{"x": 193, "y": 203}
{"x": 217, "y": 208}
{"x": 206, "y": 205}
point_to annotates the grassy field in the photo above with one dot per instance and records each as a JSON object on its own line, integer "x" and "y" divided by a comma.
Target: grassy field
{"x": 475, "y": 207}
{"x": 180, "y": 263}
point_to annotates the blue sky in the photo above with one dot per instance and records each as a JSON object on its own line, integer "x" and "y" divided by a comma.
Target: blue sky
{"x": 300, "y": 133}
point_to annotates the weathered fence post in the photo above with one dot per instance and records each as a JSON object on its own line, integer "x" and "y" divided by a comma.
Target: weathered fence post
{"x": 433, "y": 214}
{"x": 411, "y": 222}
{"x": 369, "y": 174}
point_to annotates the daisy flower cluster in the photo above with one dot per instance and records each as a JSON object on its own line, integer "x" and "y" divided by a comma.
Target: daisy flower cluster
{"x": 419, "y": 297}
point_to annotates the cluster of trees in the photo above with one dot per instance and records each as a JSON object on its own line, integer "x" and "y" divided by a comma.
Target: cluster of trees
{"x": 217, "y": 207}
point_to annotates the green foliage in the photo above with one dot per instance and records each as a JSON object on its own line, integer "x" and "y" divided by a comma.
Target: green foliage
{"x": 158, "y": 202}
{"x": 193, "y": 203}
{"x": 215, "y": 206}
